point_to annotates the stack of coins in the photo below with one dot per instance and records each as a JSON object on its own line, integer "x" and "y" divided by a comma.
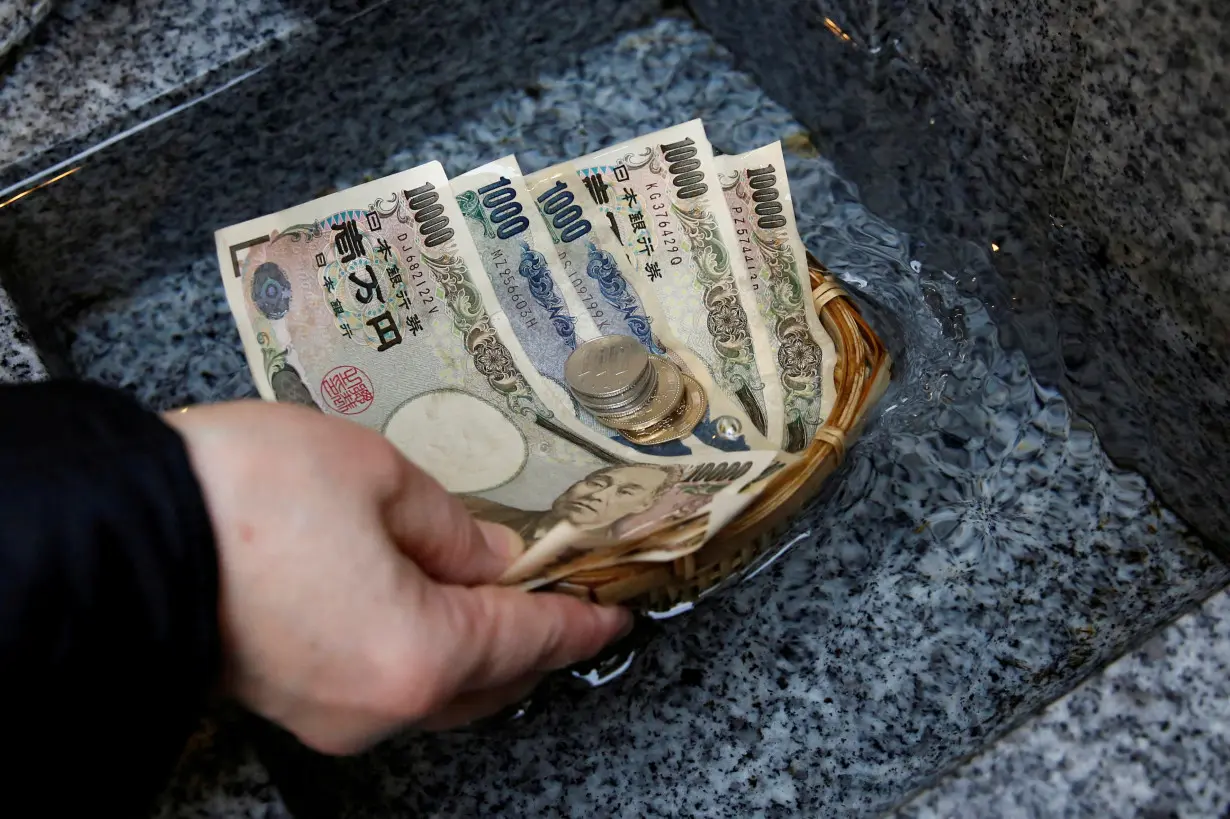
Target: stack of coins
{"x": 646, "y": 398}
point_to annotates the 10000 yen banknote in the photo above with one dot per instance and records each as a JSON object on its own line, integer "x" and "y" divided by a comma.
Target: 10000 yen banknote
{"x": 371, "y": 304}
{"x": 661, "y": 193}
{"x": 671, "y": 539}
{"x": 609, "y": 512}
{"x": 367, "y": 304}
{"x": 771, "y": 251}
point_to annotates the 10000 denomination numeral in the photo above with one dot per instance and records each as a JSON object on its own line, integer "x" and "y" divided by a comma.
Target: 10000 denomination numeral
{"x": 429, "y": 214}
{"x": 684, "y": 168}
{"x": 765, "y": 195}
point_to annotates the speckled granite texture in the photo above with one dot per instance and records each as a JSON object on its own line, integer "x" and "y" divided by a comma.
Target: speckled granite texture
{"x": 98, "y": 68}
{"x": 19, "y": 360}
{"x": 1149, "y": 738}
{"x": 281, "y": 137}
{"x": 18, "y": 18}
{"x": 978, "y": 556}
{"x": 101, "y": 67}
{"x": 1085, "y": 143}
{"x": 1147, "y": 161}
{"x": 220, "y": 777}
{"x": 1146, "y": 738}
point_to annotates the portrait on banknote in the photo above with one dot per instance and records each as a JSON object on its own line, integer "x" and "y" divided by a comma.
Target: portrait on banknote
{"x": 605, "y": 505}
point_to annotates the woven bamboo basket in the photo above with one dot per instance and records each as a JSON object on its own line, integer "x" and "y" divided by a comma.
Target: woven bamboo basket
{"x": 861, "y": 376}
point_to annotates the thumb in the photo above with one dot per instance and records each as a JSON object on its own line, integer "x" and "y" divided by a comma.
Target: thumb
{"x": 500, "y": 634}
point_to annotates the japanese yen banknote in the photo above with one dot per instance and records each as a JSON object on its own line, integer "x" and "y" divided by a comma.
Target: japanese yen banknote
{"x": 661, "y": 198}
{"x": 372, "y": 304}
{"x": 768, "y": 247}
{"x": 441, "y": 312}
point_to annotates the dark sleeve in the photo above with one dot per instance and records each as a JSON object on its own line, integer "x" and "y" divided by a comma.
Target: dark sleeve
{"x": 109, "y": 637}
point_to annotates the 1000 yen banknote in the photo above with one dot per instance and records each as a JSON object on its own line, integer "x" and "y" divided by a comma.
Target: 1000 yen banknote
{"x": 519, "y": 257}
{"x": 770, "y": 250}
{"x": 619, "y": 300}
{"x": 662, "y": 195}
{"x": 592, "y": 258}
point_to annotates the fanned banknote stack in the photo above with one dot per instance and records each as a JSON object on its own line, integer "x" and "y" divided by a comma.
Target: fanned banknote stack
{"x": 629, "y": 358}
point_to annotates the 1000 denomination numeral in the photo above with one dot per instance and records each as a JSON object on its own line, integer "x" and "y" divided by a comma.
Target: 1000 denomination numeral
{"x": 557, "y": 203}
{"x": 500, "y": 199}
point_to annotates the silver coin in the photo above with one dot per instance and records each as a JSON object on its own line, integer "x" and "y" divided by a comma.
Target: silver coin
{"x": 606, "y": 367}
{"x": 642, "y": 382}
{"x": 663, "y": 403}
{"x": 728, "y": 427}
{"x": 627, "y": 408}
{"x": 605, "y": 414}
{"x": 636, "y": 397}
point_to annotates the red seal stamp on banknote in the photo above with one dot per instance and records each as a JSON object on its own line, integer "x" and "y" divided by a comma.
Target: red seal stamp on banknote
{"x": 347, "y": 389}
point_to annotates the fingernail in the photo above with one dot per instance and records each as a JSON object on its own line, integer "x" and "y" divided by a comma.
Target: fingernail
{"x": 500, "y": 539}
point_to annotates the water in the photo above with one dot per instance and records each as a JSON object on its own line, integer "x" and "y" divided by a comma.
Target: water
{"x": 967, "y": 452}
{"x": 975, "y": 556}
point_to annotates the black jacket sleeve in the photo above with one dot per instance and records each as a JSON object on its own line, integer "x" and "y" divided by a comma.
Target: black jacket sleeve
{"x": 109, "y": 638}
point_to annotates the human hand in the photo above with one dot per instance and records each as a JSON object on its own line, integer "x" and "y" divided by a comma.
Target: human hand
{"x": 352, "y": 602}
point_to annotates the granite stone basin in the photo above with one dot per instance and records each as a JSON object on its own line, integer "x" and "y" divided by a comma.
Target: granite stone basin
{"x": 1019, "y": 513}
